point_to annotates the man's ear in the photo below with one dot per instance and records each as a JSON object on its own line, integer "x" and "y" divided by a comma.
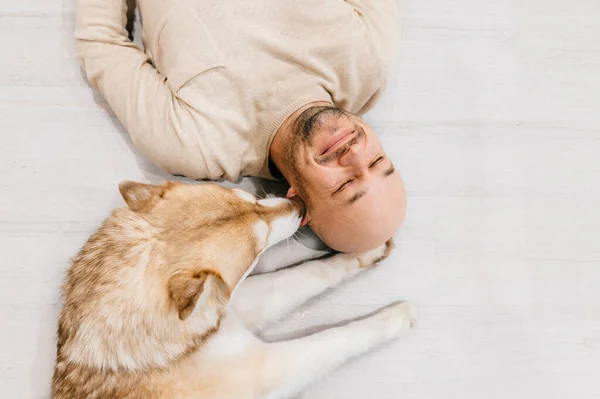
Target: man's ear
{"x": 139, "y": 196}
{"x": 291, "y": 193}
{"x": 185, "y": 289}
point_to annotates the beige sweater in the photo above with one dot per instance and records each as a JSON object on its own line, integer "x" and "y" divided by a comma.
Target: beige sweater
{"x": 218, "y": 77}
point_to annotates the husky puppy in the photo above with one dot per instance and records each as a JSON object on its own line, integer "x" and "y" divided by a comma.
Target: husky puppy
{"x": 157, "y": 303}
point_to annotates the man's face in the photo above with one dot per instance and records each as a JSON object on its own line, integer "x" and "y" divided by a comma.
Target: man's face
{"x": 354, "y": 195}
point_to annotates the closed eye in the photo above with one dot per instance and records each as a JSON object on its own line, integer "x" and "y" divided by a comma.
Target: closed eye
{"x": 347, "y": 182}
{"x": 376, "y": 161}
{"x": 343, "y": 186}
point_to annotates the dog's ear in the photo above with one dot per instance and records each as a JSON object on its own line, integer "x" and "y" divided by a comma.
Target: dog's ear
{"x": 139, "y": 196}
{"x": 186, "y": 288}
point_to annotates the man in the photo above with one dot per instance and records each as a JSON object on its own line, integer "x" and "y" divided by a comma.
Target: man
{"x": 268, "y": 88}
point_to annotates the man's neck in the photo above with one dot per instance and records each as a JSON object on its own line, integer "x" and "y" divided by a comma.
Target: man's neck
{"x": 283, "y": 136}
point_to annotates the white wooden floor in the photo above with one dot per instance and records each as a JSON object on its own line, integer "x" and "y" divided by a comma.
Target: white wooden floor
{"x": 494, "y": 120}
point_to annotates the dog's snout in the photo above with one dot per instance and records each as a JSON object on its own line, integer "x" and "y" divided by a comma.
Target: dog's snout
{"x": 298, "y": 205}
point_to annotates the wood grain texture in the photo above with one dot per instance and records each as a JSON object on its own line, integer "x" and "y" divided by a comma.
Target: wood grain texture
{"x": 493, "y": 117}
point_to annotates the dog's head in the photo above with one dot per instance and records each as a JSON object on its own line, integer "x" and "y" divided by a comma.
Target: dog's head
{"x": 153, "y": 282}
{"x": 206, "y": 230}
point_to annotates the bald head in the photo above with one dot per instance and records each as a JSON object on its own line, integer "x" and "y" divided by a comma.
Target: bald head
{"x": 368, "y": 219}
{"x": 336, "y": 164}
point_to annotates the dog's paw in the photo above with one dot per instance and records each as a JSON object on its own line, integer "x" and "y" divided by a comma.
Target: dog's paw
{"x": 374, "y": 256}
{"x": 396, "y": 319}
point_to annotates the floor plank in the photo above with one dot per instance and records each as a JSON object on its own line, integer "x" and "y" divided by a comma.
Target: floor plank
{"x": 493, "y": 117}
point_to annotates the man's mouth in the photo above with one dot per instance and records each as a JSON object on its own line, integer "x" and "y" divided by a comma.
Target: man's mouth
{"x": 338, "y": 139}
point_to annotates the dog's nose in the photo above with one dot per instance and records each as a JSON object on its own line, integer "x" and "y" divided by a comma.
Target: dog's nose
{"x": 298, "y": 205}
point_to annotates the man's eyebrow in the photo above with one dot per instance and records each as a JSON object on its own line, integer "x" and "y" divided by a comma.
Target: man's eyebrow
{"x": 356, "y": 197}
{"x": 362, "y": 193}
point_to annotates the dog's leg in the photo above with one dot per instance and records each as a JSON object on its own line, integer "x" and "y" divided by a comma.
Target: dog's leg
{"x": 291, "y": 366}
{"x": 265, "y": 298}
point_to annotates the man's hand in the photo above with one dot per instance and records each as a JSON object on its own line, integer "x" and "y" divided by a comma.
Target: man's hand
{"x": 371, "y": 258}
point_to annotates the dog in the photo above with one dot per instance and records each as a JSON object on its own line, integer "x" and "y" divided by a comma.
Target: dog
{"x": 157, "y": 303}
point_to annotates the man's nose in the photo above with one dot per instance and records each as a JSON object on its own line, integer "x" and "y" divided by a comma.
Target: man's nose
{"x": 354, "y": 158}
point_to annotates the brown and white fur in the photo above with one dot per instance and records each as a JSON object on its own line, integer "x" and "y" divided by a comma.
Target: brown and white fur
{"x": 157, "y": 303}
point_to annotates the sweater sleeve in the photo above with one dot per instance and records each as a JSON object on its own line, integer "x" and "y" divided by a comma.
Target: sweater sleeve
{"x": 136, "y": 92}
{"x": 303, "y": 246}
{"x": 381, "y": 18}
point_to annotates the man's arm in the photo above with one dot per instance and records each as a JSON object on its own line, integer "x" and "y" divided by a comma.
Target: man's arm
{"x": 134, "y": 89}
{"x": 382, "y": 18}
{"x": 303, "y": 246}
